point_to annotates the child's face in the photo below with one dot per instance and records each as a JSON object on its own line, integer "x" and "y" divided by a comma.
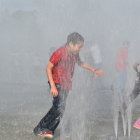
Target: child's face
{"x": 75, "y": 48}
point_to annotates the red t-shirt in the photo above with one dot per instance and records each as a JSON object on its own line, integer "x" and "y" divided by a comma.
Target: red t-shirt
{"x": 122, "y": 56}
{"x": 63, "y": 69}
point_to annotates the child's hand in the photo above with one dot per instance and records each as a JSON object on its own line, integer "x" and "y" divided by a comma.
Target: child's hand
{"x": 54, "y": 91}
{"x": 99, "y": 72}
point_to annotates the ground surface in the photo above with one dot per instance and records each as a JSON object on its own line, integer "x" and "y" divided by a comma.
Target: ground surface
{"x": 23, "y": 106}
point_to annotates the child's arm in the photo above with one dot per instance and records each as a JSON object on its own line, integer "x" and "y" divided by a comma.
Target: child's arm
{"x": 53, "y": 91}
{"x": 88, "y": 67}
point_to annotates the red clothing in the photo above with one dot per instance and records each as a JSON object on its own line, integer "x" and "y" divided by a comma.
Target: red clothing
{"x": 63, "y": 67}
{"x": 122, "y": 56}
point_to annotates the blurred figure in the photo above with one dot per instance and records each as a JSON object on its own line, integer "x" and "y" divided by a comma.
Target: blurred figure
{"x": 121, "y": 66}
{"x": 135, "y": 92}
{"x": 97, "y": 63}
{"x": 96, "y": 55}
{"x": 136, "y": 89}
{"x": 87, "y": 54}
{"x": 119, "y": 83}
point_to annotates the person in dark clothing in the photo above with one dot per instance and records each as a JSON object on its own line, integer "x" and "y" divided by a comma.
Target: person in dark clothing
{"x": 136, "y": 89}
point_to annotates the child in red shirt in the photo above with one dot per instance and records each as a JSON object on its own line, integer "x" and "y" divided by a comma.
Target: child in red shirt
{"x": 60, "y": 71}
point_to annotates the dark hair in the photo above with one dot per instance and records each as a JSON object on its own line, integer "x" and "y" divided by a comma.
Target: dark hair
{"x": 74, "y": 38}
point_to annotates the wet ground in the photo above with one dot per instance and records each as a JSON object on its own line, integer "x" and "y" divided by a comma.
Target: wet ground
{"x": 21, "y": 108}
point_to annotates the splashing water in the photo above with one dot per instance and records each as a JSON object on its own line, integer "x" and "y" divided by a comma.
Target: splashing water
{"x": 129, "y": 118}
{"x": 118, "y": 109}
